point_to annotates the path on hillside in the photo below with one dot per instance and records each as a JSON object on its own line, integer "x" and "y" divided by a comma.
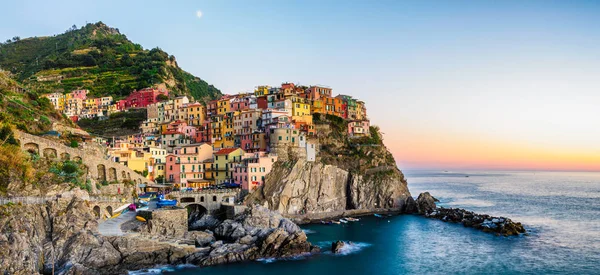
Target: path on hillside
{"x": 112, "y": 227}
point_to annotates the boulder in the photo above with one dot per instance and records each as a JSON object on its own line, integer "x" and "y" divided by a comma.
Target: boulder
{"x": 425, "y": 203}
{"x": 201, "y": 238}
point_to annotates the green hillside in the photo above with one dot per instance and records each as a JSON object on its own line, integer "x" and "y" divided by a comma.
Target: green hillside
{"x": 100, "y": 59}
{"x": 26, "y": 110}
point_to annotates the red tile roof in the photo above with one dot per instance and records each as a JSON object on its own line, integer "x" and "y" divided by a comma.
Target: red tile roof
{"x": 226, "y": 151}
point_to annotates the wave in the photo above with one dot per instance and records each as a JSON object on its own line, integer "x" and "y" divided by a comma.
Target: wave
{"x": 349, "y": 248}
{"x": 292, "y": 258}
{"x": 160, "y": 269}
{"x": 309, "y": 231}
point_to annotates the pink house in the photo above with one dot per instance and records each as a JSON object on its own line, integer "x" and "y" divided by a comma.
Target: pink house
{"x": 82, "y": 94}
{"x": 173, "y": 169}
{"x": 358, "y": 128}
{"x": 253, "y": 169}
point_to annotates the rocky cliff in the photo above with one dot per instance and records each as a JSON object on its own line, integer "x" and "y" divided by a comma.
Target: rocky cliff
{"x": 61, "y": 237}
{"x": 349, "y": 174}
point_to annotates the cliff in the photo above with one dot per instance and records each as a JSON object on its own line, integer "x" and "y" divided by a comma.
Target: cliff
{"x": 349, "y": 174}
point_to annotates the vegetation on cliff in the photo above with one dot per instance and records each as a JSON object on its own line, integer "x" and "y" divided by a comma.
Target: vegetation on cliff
{"x": 25, "y": 109}
{"x": 100, "y": 59}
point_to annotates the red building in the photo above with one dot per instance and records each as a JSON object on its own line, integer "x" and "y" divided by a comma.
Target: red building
{"x": 144, "y": 97}
{"x": 262, "y": 102}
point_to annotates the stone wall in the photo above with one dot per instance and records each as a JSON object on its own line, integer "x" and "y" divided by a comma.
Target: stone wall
{"x": 99, "y": 168}
{"x": 166, "y": 222}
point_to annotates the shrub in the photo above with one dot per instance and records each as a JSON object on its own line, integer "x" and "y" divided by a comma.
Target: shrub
{"x": 74, "y": 144}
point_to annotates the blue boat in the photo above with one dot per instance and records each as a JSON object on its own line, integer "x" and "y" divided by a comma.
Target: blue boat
{"x": 378, "y": 215}
{"x": 163, "y": 203}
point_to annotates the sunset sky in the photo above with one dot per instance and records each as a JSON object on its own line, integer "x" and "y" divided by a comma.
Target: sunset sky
{"x": 461, "y": 85}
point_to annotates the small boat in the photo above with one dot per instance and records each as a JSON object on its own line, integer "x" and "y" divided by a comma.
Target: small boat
{"x": 325, "y": 222}
{"x": 343, "y": 221}
{"x": 378, "y": 215}
{"x": 336, "y": 222}
{"x": 163, "y": 203}
{"x": 140, "y": 218}
{"x": 350, "y": 219}
{"x": 115, "y": 215}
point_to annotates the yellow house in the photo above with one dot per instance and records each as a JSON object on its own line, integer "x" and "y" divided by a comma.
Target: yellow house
{"x": 228, "y": 131}
{"x": 224, "y": 163}
{"x": 261, "y": 91}
{"x": 209, "y": 171}
{"x": 196, "y": 113}
{"x": 138, "y": 161}
{"x": 216, "y": 128}
{"x": 300, "y": 106}
{"x": 223, "y": 106}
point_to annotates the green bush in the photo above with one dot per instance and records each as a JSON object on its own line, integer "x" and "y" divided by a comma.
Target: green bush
{"x": 74, "y": 144}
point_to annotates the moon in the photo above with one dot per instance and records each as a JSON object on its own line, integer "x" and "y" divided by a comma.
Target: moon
{"x": 199, "y": 13}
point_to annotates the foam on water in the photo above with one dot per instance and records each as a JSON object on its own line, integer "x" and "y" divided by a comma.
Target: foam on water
{"x": 349, "y": 248}
{"x": 308, "y": 231}
{"x": 160, "y": 269}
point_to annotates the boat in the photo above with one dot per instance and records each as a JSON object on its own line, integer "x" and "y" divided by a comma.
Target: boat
{"x": 378, "y": 215}
{"x": 336, "y": 222}
{"x": 350, "y": 219}
{"x": 162, "y": 203}
{"x": 140, "y": 218}
{"x": 115, "y": 215}
{"x": 325, "y": 222}
{"x": 343, "y": 221}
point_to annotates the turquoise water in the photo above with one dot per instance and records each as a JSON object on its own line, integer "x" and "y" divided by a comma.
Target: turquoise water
{"x": 561, "y": 211}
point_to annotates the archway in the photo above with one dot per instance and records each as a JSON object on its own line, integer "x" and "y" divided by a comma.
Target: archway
{"x": 109, "y": 210}
{"x": 112, "y": 174}
{"x": 123, "y": 175}
{"x": 65, "y": 156}
{"x": 50, "y": 153}
{"x": 214, "y": 198}
{"x": 195, "y": 212}
{"x": 97, "y": 211}
{"x": 32, "y": 148}
{"x": 101, "y": 172}
{"x": 187, "y": 200}
{"x": 202, "y": 199}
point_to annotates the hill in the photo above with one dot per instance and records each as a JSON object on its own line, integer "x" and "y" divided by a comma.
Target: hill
{"x": 26, "y": 110}
{"x": 98, "y": 58}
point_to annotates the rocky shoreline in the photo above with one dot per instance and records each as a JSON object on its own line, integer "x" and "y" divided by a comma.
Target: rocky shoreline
{"x": 497, "y": 225}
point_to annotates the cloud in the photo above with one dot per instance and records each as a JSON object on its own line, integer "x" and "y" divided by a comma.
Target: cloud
{"x": 199, "y": 13}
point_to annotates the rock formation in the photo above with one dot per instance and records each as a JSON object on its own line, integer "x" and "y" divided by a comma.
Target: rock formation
{"x": 425, "y": 203}
{"x": 498, "y": 225}
{"x": 347, "y": 175}
{"x": 62, "y": 236}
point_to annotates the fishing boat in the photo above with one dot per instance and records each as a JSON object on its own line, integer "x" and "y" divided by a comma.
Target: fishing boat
{"x": 378, "y": 215}
{"x": 350, "y": 219}
{"x": 325, "y": 222}
{"x": 336, "y": 222}
{"x": 343, "y": 221}
{"x": 115, "y": 215}
{"x": 140, "y": 218}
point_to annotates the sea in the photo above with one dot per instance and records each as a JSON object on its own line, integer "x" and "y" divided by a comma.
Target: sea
{"x": 560, "y": 210}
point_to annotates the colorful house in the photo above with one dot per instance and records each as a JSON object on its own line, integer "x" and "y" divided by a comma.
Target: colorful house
{"x": 224, "y": 160}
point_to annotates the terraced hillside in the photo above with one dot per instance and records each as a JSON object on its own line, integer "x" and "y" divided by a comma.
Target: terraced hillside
{"x": 100, "y": 59}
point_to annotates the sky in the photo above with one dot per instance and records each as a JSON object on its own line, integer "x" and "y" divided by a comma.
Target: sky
{"x": 508, "y": 85}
